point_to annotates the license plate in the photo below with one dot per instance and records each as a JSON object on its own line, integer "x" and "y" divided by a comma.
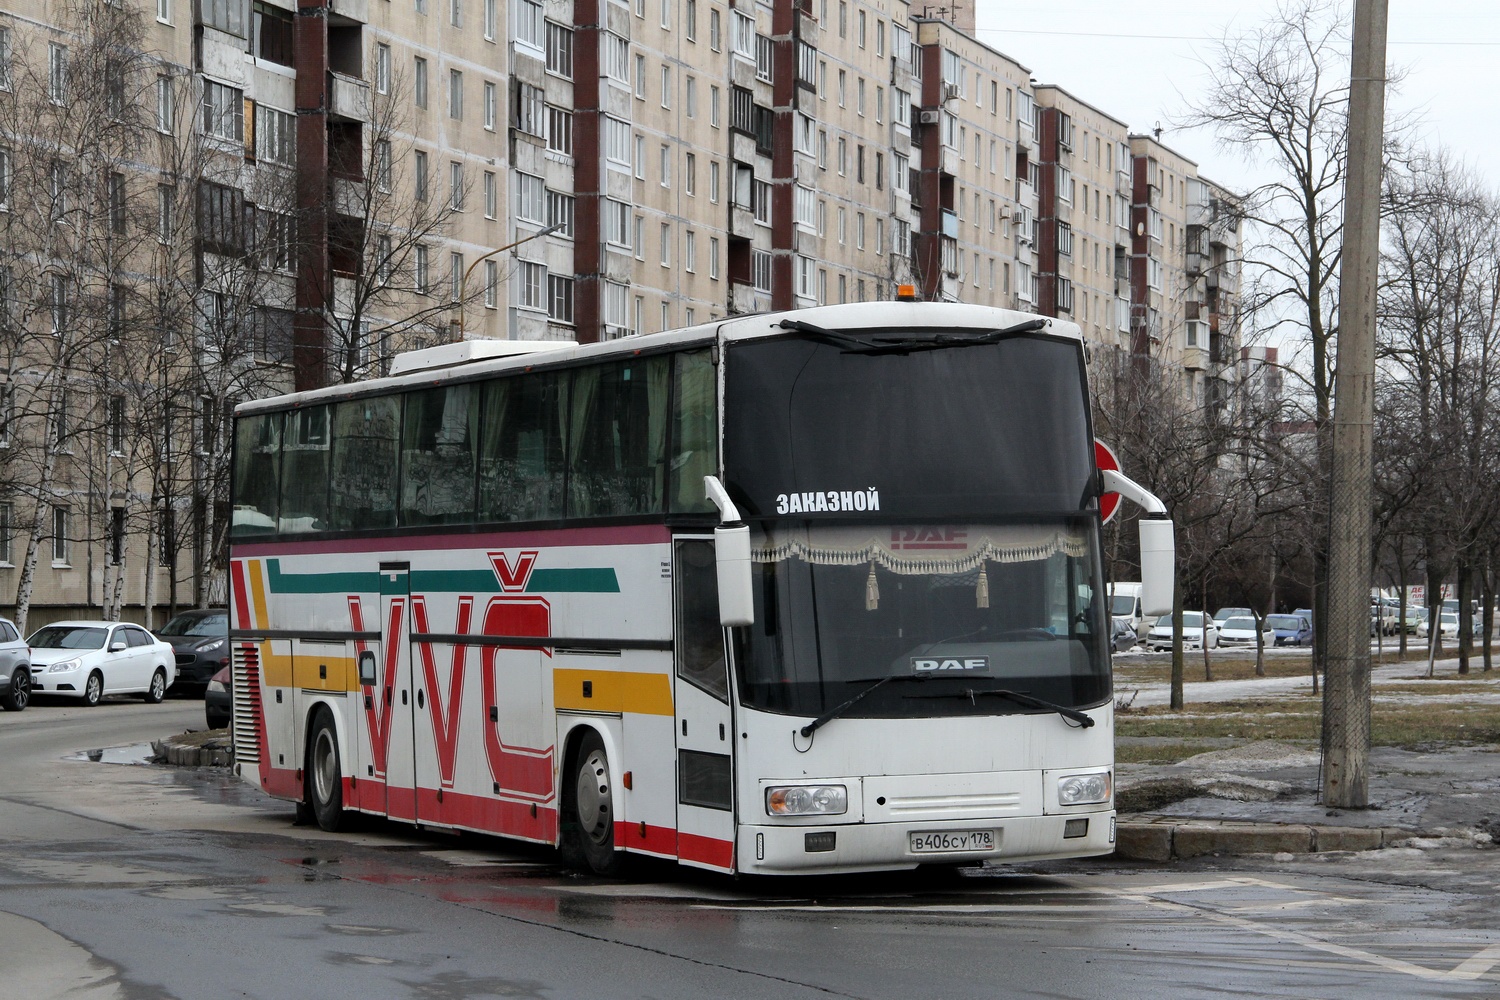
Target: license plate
{"x": 949, "y": 841}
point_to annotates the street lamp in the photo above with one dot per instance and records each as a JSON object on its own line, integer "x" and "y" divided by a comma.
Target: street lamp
{"x": 463, "y": 284}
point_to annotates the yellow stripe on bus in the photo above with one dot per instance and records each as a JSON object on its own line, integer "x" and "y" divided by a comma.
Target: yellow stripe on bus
{"x": 613, "y": 691}
{"x": 257, "y": 594}
{"x": 277, "y": 671}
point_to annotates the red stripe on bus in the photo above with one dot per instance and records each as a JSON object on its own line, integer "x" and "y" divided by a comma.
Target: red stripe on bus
{"x": 241, "y": 594}
{"x": 625, "y": 534}
{"x": 706, "y": 850}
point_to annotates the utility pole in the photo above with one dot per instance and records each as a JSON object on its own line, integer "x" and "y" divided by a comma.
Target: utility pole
{"x": 1346, "y": 693}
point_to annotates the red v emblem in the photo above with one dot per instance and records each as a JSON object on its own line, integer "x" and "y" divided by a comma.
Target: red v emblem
{"x": 513, "y": 577}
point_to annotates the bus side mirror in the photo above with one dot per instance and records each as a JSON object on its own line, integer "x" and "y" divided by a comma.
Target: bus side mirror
{"x": 732, "y": 553}
{"x": 1158, "y": 559}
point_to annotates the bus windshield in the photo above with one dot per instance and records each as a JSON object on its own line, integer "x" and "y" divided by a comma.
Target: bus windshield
{"x": 971, "y": 432}
{"x": 955, "y": 607}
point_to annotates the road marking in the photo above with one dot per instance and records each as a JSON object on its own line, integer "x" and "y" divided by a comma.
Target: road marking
{"x": 1469, "y": 969}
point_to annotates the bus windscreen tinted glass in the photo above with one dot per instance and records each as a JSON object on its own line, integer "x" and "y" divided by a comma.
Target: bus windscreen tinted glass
{"x": 987, "y": 429}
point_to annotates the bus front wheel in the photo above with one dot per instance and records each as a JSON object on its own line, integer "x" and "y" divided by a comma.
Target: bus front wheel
{"x": 324, "y": 782}
{"x": 593, "y": 808}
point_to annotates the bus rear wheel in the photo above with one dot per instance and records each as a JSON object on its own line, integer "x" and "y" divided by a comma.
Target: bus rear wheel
{"x": 593, "y": 808}
{"x": 324, "y": 781}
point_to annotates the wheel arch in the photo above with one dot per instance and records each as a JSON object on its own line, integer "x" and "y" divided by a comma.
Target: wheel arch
{"x": 303, "y": 737}
{"x": 571, "y": 738}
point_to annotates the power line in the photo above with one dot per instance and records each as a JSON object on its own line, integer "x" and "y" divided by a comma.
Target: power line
{"x": 1197, "y": 38}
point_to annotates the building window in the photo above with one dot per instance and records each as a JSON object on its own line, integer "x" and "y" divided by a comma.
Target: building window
{"x": 275, "y": 136}
{"x": 456, "y": 13}
{"x": 166, "y": 105}
{"x": 226, "y": 15}
{"x": 420, "y": 170}
{"x": 666, "y": 244}
{"x": 690, "y": 175}
{"x": 690, "y": 251}
{"x": 491, "y": 195}
{"x": 713, "y": 181}
{"x": 531, "y": 198}
{"x": 560, "y": 130}
{"x": 531, "y": 110}
{"x": 419, "y": 82}
{"x": 455, "y": 95}
{"x": 532, "y": 285}
{"x": 491, "y": 21}
{"x": 529, "y": 24}
{"x": 117, "y": 425}
{"x": 713, "y": 258}
{"x": 559, "y": 50}
{"x": 614, "y": 55}
{"x": 742, "y": 34}
{"x": 420, "y": 274}
{"x": 713, "y": 29}
{"x": 60, "y": 536}
{"x": 560, "y": 208}
{"x": 456, "y": 185}
{"x": 617, "y": 142}
{"x": 5, "y": 531}
{"x": 489, "y": 105}
{"x": 223, "y": 111}
{"x": 491, "y": 283}
{"x": 616, "y": 222}
{"x": 560, "y": 298}
{"x": 455, "y": 277}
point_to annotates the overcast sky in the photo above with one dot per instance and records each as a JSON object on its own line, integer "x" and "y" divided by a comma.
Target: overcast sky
{"x": 1139, "y": 59}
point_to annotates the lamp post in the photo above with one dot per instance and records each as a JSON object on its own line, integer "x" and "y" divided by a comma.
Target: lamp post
{"x": 463, "y": 284}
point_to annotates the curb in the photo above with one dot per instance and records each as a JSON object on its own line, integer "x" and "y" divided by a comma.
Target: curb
{"x": 1142, "y": 838}
{"x": 212, "y": 748}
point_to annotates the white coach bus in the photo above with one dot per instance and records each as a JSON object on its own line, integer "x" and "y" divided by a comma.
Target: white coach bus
{"x": 810, "y": 592}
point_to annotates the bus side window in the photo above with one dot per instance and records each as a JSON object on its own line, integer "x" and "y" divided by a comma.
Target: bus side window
{"x": 521, "y": 457}
{"x": 362, "y": 480}
{"x": 698, "y": 637}
{"x": 617, "y": 438}
{"x": 437, "y": 455}
{"x": 257, "y": 460}
{"x": 695, "y": 432}
{"x": 304, "y": 472}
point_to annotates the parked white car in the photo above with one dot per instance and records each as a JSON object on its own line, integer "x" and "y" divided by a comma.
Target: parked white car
{"x": 1241, "y": 632}
{"x": 90, "y": 659}
{"x": 1194, "y": 631}
{"x": 1447, "y": 625}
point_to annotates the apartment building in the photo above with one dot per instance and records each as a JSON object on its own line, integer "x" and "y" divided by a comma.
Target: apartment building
{"x": 332, "y": 182}
{"x": 1085, "y": 195}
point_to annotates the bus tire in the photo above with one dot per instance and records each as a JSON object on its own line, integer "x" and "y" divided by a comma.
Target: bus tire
{"x": 323, "y": 789}
{"x": 591, "y": 804}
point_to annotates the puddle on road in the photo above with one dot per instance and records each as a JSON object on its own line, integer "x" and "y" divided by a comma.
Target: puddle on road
{"x": 135, "y": 753}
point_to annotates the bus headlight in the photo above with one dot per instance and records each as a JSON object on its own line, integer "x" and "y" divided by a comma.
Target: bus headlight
{"x": 1085, "y": 789}
{"x": 807, "y": 800}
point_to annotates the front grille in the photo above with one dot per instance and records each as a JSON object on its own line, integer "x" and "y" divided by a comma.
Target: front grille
{"x": 249, "y": 718}
{"x": 186, "y": 659}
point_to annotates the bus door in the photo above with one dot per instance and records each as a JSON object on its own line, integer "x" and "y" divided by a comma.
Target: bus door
{"x": 398, "y": 690}
{"x": 705, "y": 721}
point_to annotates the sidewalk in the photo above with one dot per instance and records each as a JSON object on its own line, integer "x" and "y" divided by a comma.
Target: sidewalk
{"x": 1264, "y": 797}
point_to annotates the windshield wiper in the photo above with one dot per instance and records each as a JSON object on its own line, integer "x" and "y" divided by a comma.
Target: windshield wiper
{"x": 905, "y": 345}
{"x": 1083, "y": 719}
{"x": 838, "y": 710}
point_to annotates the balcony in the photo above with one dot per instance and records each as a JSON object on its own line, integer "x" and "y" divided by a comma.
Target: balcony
{"x": 1195, "y": 264}
{"x": 348, "y": 97}
{"x": 741, "y": 222}
{"x": 349, "y": 11}
{"x": 1123, "y": 184}
{"x": 746, "y": 298}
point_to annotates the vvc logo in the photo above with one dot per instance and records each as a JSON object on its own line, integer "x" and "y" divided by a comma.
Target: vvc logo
{"x": 950, "y": 665}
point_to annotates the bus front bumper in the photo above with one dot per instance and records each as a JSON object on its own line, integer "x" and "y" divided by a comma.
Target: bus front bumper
{"x": 813, "y": 850}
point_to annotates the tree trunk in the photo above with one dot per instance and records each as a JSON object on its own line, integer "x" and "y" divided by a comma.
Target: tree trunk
{"x": 149, "y": 591}
{"x": 1260, "y": 645}
{"x": 1401, "y": 599}
{"x": 1487, "y": 581}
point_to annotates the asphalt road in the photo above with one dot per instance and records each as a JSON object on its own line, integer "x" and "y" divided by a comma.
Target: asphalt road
{"x": 134, "y": 881}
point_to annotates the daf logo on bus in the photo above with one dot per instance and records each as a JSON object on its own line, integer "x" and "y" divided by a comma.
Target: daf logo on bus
{"x": 950, "y": 665}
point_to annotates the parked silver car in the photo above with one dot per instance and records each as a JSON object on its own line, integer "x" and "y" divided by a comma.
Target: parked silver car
{"x": 15, "y": 668}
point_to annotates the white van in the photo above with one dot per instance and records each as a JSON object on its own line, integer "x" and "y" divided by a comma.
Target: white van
{"x": 1125, "y": 603}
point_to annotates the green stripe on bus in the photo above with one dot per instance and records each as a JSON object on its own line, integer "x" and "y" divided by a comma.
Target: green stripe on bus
{"x": 573, "y": 581}
{"x": 600, "y": 580}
